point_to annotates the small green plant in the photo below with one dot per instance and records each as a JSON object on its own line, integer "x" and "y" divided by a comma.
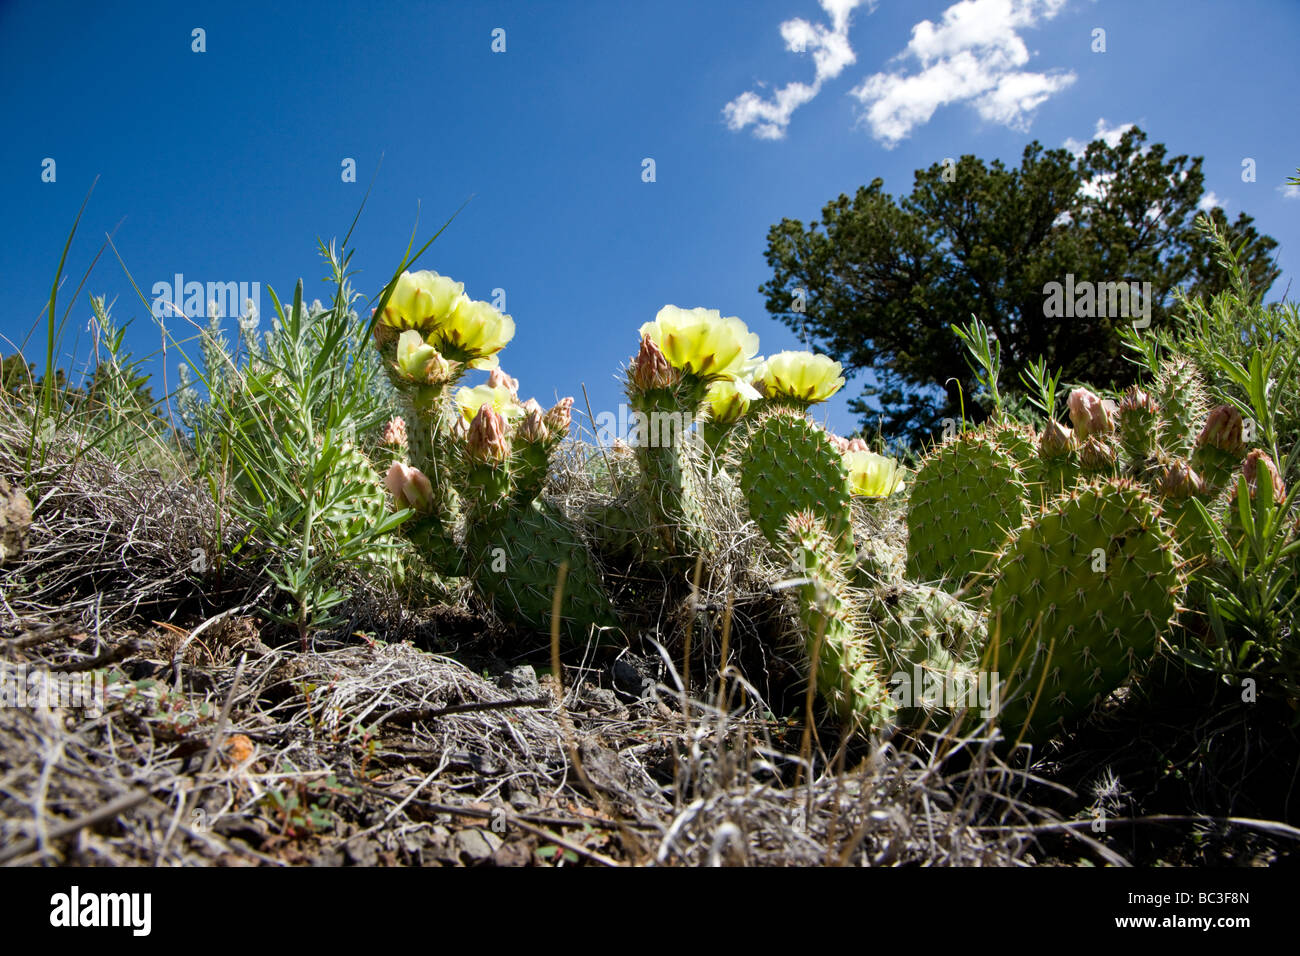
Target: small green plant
{"x": 985, "y": 358}
{"x": 278, "y": 442}
{"x": 1251, "y": 593}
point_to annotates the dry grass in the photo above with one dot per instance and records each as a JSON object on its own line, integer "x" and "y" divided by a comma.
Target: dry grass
{"x": 214, "y": 748}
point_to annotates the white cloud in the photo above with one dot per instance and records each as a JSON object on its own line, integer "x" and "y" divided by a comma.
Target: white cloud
{"x": 1110, "y": 134}
{"x": 1210, "y": 200}
{"x": 975, "y": 55}
{"x": 831, "y": 54}
{"x": 1094, "y": 190}
{"x": 1289, "y": 191}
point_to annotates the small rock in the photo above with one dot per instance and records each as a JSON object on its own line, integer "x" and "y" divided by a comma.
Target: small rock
{"x": 361, "y": 852}
{"x": 330, "y": 857}
{"x": 522, "y": 679}
{"x": 518, "y": 853}
{"x": 475, "y": 846}
{"x": 632, "y": 677}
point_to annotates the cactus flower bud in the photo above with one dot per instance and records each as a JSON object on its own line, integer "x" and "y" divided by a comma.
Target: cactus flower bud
{"x": 845, "y": 445}
{"x": 1089, "y": 414}
{"x": 1056, "y": 441}
{"x": 1256, "y": 462}
{"x": 395, "y": 432}
{"x": 487, "y": 440}
{"x": 1223, "y": 428}
{"x": 650, "y": 369}
{"x": 532, "y": 429}
{"x": 559, "y": 416}
{"x": 1178, "y": 480}
{"x": 1096, "y": 455}
{"x": 409, "y": 487}
{"x": 499, "y": 379}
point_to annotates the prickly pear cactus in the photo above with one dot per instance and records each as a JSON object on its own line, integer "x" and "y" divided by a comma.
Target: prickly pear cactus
{"x": 841, "y": 658}
{"x": 1020, "y": 441}
{"x": 929, "y": 644}
{"x": 515, "y": 564}
{"x": 1137, "y": 427}
{"x": 1094, "y": 579}
{"x": 789, "y": 465}
{"x": 1180, "y": 393}
{"x": 966, "y": 497}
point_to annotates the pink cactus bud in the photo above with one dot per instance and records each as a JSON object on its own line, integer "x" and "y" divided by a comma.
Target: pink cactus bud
{"x": 409, "y": 487}
{"x": 1056, "y": 441}
{"x": 857, "y": 444}
{"x": 559, "y": 416}
{"x": 499, "y": 379}
{"x": 532, "y": 428}
{"x": 1111, "y": 411}
{"x": 650, "y": 369}
{"x": 1258, "y": 461}
{"x": 1223, "y": 429}
{"x": 1136, "y": 400}
{"x": 487, "y": 440}
{"x": 1178, "y": 480}
{"x": 1089, "y": 414}
{"x": 395, "y": 432}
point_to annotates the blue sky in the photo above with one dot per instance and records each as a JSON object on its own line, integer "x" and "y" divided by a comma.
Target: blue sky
{"x": 225, "y": 165}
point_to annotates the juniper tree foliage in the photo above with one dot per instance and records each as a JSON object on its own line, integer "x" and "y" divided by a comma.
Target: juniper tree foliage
{"x": 878, "y": 282}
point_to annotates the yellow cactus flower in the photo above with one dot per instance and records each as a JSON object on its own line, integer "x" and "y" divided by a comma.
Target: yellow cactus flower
{"x": 726, "y": 402}
{"x": 475, "y": 332}
{"x": 702, "y": 342}
{"x": 872, "y": 475}
{"x": 422, "y": 300}
{"x": 470, "y": 400}
{"x": 802, "y": 376}
{"x": 421, "y": 361}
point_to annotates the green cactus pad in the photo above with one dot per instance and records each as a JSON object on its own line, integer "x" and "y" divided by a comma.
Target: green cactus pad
{"x": 1136, "y": 428}
{"x": 966, "y": 497}
{"x": 929, "y": 644}
{"x": 515, "y": 564}
{"x": 846, "y": 670}
{"x": 1020, "y": 441}
{"x": 1097, "y": 575}
{"x": 667, "y": 453}
{"x": 1180, "y": 393}
{"x": 789, "y": 465}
